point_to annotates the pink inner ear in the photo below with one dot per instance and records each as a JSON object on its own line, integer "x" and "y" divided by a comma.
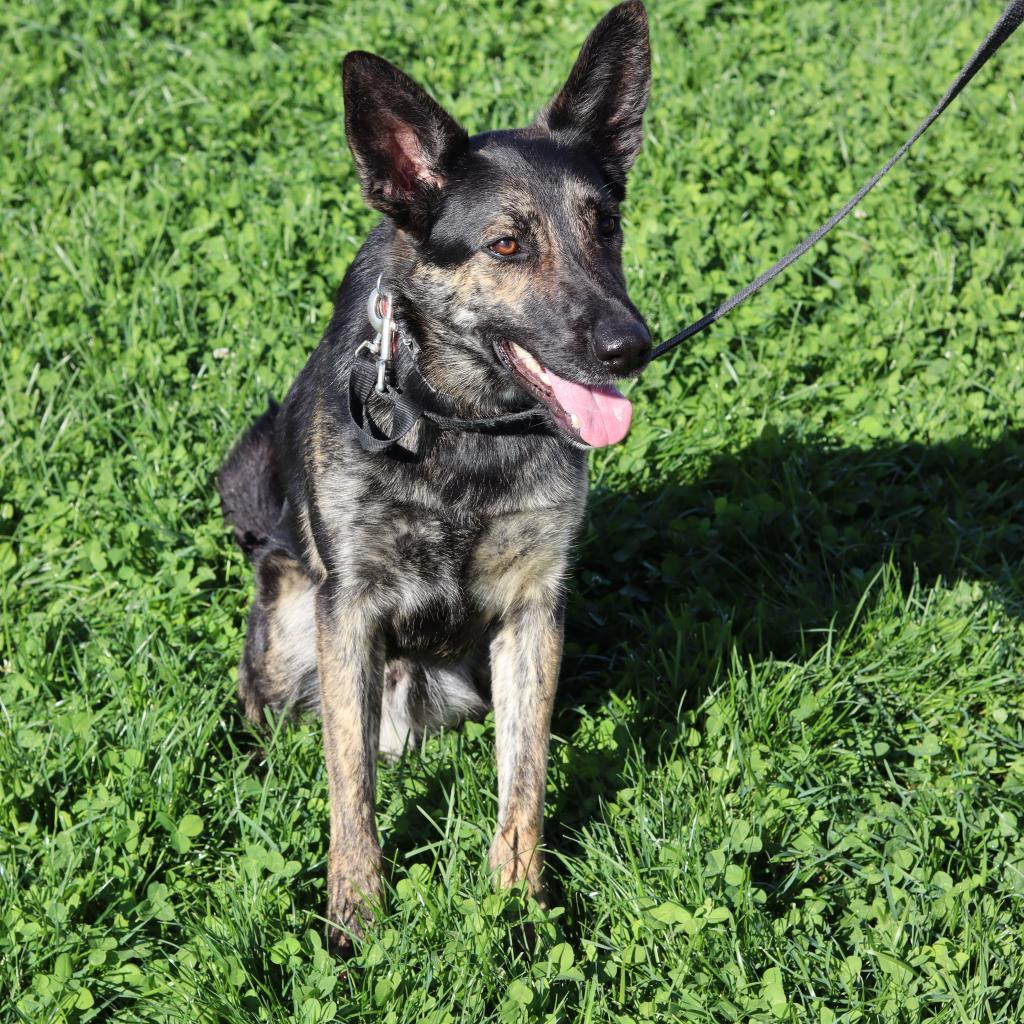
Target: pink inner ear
{"x": 409, "y": 166}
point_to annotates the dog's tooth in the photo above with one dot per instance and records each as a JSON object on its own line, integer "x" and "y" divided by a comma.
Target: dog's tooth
{"x": 574, "y": 420}
{"x": 528, "y": 359}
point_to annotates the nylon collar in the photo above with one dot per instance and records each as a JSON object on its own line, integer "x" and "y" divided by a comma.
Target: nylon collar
{"x": 390, "y": 371}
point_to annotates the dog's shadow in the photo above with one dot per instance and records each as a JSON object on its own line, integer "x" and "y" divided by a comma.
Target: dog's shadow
{"x": 762, "y": 554}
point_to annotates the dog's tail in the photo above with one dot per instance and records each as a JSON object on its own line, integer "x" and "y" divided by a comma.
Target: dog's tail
{"x": 251, "y": 495}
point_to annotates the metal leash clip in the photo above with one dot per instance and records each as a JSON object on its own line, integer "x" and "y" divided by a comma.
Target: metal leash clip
{"x": 381, "y": 313}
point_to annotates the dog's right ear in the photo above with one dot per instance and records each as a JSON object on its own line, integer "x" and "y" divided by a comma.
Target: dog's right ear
{"x": 403, "y": 142}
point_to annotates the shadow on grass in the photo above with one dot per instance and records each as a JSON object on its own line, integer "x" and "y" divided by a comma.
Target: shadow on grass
{"x": 760, "y": 556}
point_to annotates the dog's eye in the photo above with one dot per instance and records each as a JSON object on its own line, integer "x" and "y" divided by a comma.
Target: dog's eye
{"x": 504, "y": 247}
{"x": 608, "y": 225}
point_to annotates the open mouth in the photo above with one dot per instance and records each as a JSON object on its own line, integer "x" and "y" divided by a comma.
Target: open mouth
{"x": 596, "y": 415}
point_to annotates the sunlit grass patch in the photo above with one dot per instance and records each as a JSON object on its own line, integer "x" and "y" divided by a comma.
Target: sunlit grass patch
{"x": 787, "y": 780}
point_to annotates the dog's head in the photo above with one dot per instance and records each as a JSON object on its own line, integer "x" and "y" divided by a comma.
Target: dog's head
{"x": 508, "y": 250}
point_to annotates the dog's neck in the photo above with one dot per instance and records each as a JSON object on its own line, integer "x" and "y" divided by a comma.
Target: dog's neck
{"x": 464, "y": 383}
{"x": 454, "y": 361}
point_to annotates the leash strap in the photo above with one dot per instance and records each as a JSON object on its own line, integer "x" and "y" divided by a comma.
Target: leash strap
{"x": 406, "y": 407}
{"x": 1007, "y": 24}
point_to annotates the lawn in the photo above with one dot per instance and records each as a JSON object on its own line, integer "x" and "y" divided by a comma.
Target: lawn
{"x": 787, "y": 780}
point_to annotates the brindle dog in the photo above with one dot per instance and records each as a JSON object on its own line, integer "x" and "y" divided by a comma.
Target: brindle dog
{"x": 389, "y": 583}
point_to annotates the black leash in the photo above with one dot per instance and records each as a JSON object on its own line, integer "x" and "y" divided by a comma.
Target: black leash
{"x": 1007, "y": 24}
{"x": 411, "y": 398}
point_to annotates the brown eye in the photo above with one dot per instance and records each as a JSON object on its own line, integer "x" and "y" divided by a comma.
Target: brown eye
{"x": 504, "y": 247}
{"x": 608, "y": 225}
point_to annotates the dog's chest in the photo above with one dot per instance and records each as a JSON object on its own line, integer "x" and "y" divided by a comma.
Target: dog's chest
{"x": 442, "y": 547}
{"x": 454, "y": 578}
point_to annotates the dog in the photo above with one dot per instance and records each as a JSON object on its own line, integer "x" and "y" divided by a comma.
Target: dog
{"x": 407, "y": 588}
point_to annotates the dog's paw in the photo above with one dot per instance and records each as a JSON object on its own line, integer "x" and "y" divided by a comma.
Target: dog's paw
{"x": 352, "y": 906}
{"x": 346, "y": 925}
{"x": 512, "y": 862}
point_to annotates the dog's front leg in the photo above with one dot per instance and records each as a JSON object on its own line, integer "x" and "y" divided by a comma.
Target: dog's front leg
{"x": 525, "y": 656}
{"x": 350, "y": 663}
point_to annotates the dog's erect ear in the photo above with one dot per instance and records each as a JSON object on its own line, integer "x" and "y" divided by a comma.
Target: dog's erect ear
{"x": 602, "y": 104}
{"x": 403, "y": 142}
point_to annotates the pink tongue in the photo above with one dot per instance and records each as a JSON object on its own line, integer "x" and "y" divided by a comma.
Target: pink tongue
{"x": 602, "y": 412}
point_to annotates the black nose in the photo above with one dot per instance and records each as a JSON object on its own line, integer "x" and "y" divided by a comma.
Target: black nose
{"x": 622, "y": 345}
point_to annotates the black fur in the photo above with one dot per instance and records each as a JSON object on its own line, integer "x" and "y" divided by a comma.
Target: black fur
{"x": 250, "y": 493}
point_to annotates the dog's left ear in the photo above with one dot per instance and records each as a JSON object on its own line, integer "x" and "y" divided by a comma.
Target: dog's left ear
{"x": 602, "y": 104}
{"x": 404, "y": 143}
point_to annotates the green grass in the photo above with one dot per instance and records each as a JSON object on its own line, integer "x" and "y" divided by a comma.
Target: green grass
{"x": 788, "y": 775}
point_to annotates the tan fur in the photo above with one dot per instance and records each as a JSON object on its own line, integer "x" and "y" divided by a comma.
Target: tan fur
{"x": 525, "y": 657}
{"x": 518, "y": 560}
{"x": 351, "y": 665}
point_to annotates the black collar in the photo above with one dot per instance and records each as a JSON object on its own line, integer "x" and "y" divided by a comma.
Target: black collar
{"x": 393, "y": 375}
